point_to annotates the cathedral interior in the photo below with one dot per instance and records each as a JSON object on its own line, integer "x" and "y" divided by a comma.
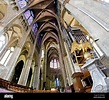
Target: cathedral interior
{"x": 46, "y": 45}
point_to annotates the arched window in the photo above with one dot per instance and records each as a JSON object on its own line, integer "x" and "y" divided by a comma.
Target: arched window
{"x": 29, "y": 15}
{"x": 7, "y": 56}
{"x": 23, "y": 3}
{"x": 35, "y": 28}
{"x": 2, "y": 41}
{"x": 42, "y": 56}
{"x": 54, "y": 64}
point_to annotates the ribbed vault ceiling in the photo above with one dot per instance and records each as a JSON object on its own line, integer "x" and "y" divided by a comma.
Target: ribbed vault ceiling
{"x": 45, "y": 12}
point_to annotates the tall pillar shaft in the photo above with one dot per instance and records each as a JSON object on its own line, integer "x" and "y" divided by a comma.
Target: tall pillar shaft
{"x": 36, "y": 78}
{"x": 69, "y": 63}
{"x": 36, "y": 82}
{"x": 25, "y": 72}
{"x": 62, "y": 68}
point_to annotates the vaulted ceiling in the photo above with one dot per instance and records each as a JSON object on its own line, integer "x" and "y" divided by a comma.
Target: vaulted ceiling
{"x": 45, "y": 11}
{"x": 45, "y": 15}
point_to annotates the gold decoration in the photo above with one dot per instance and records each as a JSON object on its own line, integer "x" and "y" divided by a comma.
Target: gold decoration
{"x": 81, "y": 46}
{"x": 84, "y": 48}
{"x": 87, "y": 55}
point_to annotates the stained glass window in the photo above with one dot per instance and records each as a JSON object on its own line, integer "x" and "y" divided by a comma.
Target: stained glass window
{"x": 32, "y": 14}
{"x": 30, "y": 20}
{"x": 34, "y": 28}
{"x": 54, "y": 64}
{"x": 22, "y": 3}
{"x": 29, "y": 15}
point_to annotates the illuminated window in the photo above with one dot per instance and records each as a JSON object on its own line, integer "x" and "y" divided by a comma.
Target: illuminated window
{"x": 7, "y": 56}
{"x": 35, "y": 28}
{"x": 32, "y": 13}
{"x": 30, "y": 20}
{"x": 2, "y": 41}
{"x": 23, "y": 3}
{"x": 42, "y": 54}
{"x": 29, "y": 16}
{"x": 51, "y": 64}
{"x": 54, "y": 64}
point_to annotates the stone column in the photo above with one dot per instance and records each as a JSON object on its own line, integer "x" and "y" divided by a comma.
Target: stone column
{"x": 47, "y": 76}
{"x": 44, "y": 69}
{"x": 37, "y": 76}
{"x": 44, "y": 66}
{"x": 68, "y": 61}
{"x": 68, "y": 71}
{"x": 47, "y": 83}
{"x": 62, "y": 66}
{"x": 25, "y": 72}
{"x": 33, "y": 70}
{"x": 34, "y": 77}
{"x": 98, "y": 77}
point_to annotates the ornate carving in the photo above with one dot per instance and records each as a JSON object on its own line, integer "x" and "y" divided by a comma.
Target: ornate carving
{"x": 81, "y": 51}
{"x": 81, "y": 46}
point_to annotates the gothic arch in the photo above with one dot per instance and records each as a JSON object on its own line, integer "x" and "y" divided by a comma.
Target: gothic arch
{"x": 49, "y": 35}
{"x": 17, "y": 71}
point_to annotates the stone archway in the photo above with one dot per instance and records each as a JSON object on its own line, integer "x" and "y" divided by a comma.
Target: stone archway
{"x": 17, "y": 72}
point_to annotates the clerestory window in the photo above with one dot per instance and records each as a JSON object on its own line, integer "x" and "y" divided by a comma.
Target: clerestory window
{"x": 23, "y": 3}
